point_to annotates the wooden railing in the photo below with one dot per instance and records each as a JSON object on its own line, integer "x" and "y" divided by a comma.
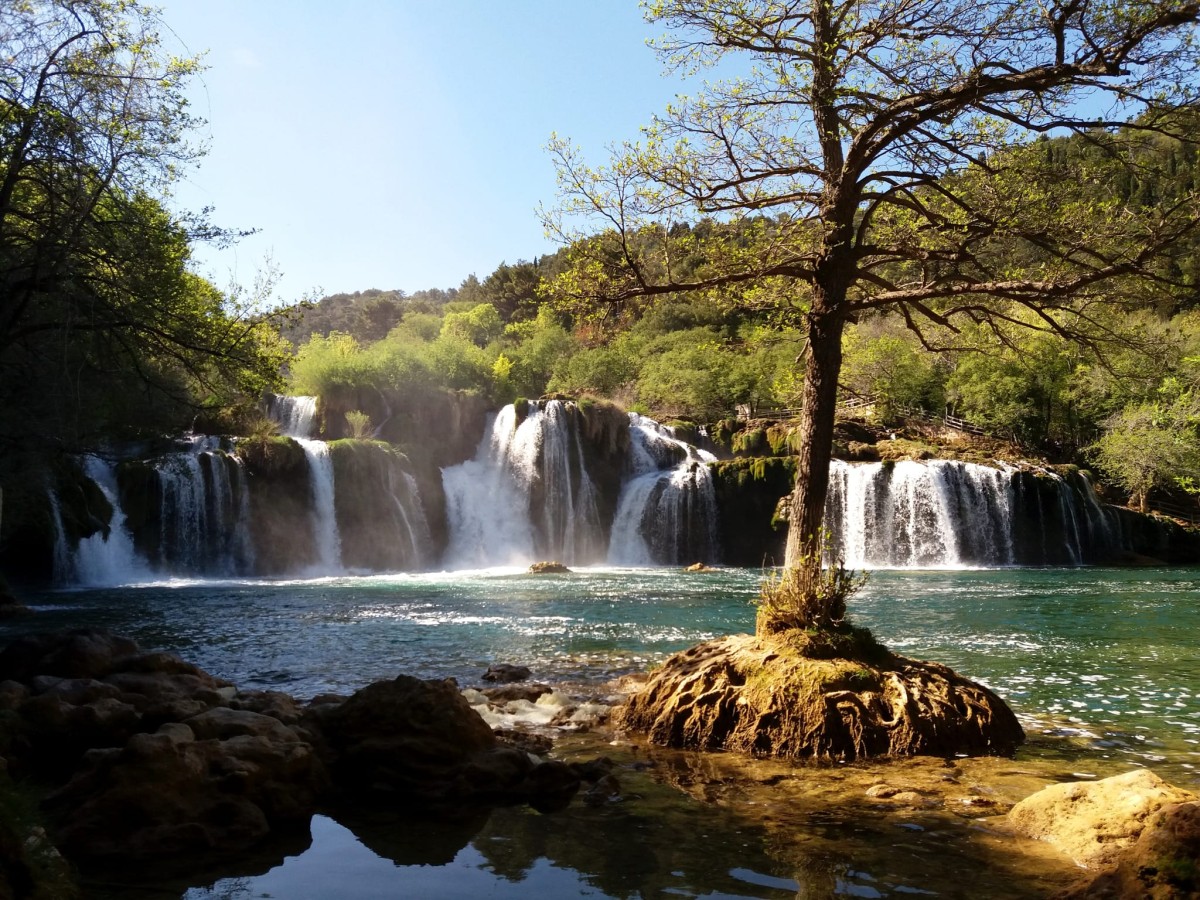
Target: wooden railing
{"x": 1189, "y": 514}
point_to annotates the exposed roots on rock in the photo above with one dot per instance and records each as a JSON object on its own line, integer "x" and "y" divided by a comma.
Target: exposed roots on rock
{"x": 767, "y": 696}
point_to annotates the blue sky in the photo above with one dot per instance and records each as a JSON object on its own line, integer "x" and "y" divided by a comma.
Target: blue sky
{"x": 400, "y": 144}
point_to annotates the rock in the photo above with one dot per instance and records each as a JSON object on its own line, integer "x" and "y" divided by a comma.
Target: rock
{"x": 223, "y": 723}
{"x": 509, "y": 692}
{"x": 525, "y": 741}
{"x": 796, "y": 695}
{"x": 1094, "y": 822}
{"x": 504, "y": 673}
{"x": 548, "y": 568}
{"x": 1162, "y": 864}
{"x": 163, "y": 796}
{"x": 84, "y": 653}
{"x": 406, "y": 738}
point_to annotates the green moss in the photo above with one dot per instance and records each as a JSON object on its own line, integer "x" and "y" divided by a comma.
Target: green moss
{"x": 751, "y": 442}
{"x": 1182, "y": 872}
{"x": 30, "y": 866}
{"x": 783, "y": 439}
{"x": 722, "y": 432}
{"x": 521, "y": 410}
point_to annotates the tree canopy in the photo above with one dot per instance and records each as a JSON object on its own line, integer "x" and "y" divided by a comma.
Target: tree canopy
{"x": 889, "y": 144}
{"x": 102, "y": 325}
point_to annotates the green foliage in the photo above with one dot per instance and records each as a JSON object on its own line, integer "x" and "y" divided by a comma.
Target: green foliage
{"x": 104, "y": 331}
{"x": 813, "y": 600}
{"x": 360, "y": 425}
{"x": 1151, "y": 445}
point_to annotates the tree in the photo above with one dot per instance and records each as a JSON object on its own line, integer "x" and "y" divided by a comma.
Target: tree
{"x": 887, "y": 140}
{"x": 95, "y": 293}
{"x": 1152, "y": 445}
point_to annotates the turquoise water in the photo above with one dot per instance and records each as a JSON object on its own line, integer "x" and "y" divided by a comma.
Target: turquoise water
{"x": 1103, "y": 661}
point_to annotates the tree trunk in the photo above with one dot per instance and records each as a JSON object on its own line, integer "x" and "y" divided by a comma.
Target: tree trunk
{"x": 808, "y": 600}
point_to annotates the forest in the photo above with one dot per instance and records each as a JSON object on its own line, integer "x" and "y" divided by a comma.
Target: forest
{"x": 107, "y": 334}
{"x": 1122, "y": 400}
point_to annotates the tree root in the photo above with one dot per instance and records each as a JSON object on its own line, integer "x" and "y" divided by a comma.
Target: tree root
{"x": 759, "y": 695}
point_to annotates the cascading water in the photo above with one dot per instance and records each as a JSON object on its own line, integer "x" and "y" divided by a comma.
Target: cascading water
{"x": 526, "y": 495}
{"x": 324, "y": 512}
{"x": 944, "y": 513}
{"x": 204, "y": 514}
{"x": 294, "y": 415}
{"x": 667, "y": 510}
{"x": 108, "y": 557}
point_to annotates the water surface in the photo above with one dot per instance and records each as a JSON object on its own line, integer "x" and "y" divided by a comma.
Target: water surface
{"x": 1099, "y": 663}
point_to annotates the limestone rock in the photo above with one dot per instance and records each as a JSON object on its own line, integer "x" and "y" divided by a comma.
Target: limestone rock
{"x": 164, "y": 795}
{"x": 769, "y": 696}
{"x": 404, "y": 738}
{"x": 1094, "y": 822}
{"x": 548, "y": 568}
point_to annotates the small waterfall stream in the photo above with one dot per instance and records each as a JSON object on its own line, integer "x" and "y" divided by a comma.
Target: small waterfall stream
{"x": 324, "y": 519}
{"x": 295, "y": 416}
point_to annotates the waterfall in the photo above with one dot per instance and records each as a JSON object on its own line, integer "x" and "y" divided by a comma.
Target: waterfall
{"x": 946, "y": 513}
{"x": 527, "y": 494}
{"x": 63, "y": 571}
{"x": 293, "y": 414}
{"x": 108, "y": 557}
{"x": 203, "y": 517}
{"x": 667, "y": 510}
{"x": 324, "y": 513}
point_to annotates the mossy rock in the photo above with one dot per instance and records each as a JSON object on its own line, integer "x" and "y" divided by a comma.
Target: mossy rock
{"x": 767, "y": 695}
{"x": 273, "y": 456}
{"x": 548, "y": 568}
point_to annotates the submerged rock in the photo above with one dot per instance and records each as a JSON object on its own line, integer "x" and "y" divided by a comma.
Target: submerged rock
{"x": 506, "y": 673}
{"x": 1095, "y": 822}
{"x": 771, "y": 696}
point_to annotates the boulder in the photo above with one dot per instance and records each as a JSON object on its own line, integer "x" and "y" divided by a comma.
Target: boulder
{"x": 1095, "y": 822}
{"x": 1161, "y": 865}
{"x": 506, "y": 693}
{"x": 548, "y": 568}
{"x": 169, "y": 795}
{"x": 415, "y": 741}
{"x": 406, "y": 738}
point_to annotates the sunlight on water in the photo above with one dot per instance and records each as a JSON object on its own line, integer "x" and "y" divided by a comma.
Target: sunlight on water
{"x": 1103, "y": 655}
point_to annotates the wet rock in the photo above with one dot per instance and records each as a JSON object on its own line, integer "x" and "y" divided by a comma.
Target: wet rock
{"x": 1095, "y": 822}
{"x": 275, "y": 704}
{"x": 605, "y": 790}
{"x": 526, "y": 741}
{"x": 548, "y": 568}
{"x": 505, "y": 673}
{"x": 518, "y": 691}
{"x": 84, "y": 653}
{"x": 164, "y": 795}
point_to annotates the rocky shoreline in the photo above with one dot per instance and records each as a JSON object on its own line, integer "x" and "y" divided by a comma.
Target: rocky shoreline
{"x": 141, "y": 757}
{"x": 143, "y": 762}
